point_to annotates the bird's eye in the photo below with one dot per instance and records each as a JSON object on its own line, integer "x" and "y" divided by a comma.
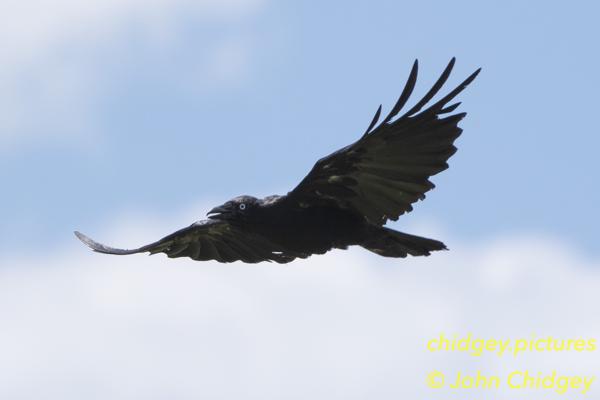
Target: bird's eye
{"x": 242, "y": 206}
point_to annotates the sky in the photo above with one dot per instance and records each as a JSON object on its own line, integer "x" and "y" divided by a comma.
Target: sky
{"x": 128, "y": 120}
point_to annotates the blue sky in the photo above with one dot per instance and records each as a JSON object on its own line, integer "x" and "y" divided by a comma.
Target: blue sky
{"x": 128, "y": 119}
{"x": 144, "y": 118}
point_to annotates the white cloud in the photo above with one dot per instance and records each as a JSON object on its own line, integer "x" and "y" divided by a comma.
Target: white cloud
{"x": 29, "y": 28}
{"x": 53, "y": 55}
{"x": 347, "y": 325}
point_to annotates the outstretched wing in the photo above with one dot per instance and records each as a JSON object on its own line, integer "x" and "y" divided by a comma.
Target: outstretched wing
{"x": 388, "y": 168}
{"x": 207, "y": 240}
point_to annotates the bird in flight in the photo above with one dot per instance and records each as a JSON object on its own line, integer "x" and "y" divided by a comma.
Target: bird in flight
{"x": 345, "y": 200}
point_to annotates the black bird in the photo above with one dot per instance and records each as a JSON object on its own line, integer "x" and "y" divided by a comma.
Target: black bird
{"x": 345, "y": 199}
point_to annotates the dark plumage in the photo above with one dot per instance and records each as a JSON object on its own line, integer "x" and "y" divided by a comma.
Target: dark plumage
{"x": 344, "y": 200}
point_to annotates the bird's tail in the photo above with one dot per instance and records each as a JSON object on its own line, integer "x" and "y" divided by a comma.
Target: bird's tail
{"x": 390, "y": 243}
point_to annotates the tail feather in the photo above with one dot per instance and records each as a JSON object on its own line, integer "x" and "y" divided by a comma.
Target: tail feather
{"x": 390, "y": 243}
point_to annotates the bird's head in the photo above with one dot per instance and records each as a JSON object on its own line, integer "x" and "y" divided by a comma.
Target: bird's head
{"x": 237, "y": 208}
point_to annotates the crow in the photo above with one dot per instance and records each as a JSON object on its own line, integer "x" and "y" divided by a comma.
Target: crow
{"x": 346, "y": 199}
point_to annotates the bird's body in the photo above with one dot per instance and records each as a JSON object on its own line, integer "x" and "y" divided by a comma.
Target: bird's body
{"x": 345, "y": 200}
{"x": 305, "y": 230}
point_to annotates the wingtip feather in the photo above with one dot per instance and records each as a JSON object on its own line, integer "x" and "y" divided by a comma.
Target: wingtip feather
{"x": 84, "y": 239}
{"x": 100, "y": 248}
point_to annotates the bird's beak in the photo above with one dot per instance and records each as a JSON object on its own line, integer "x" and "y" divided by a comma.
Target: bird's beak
{"x": 217, "y": 210}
